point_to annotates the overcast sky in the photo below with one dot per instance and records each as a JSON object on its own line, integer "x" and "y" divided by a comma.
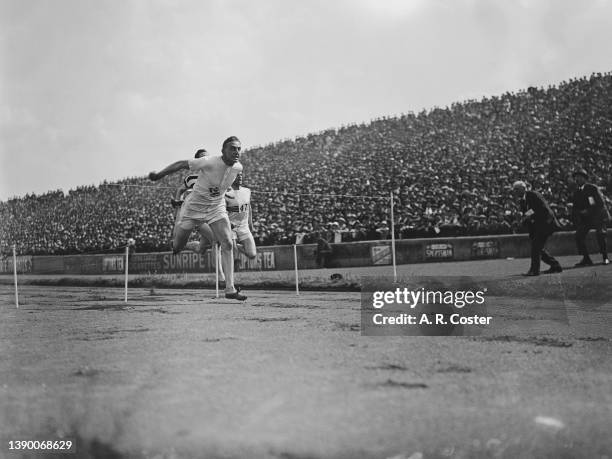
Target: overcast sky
{"x": 108, "y": 89}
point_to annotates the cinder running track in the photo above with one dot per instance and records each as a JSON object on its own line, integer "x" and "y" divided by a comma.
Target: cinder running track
{"x": 178, "y": 374}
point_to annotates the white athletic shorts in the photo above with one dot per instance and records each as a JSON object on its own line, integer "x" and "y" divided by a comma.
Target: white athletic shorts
{"x": 241, "y": 232}
{"x": 188, "y": 220}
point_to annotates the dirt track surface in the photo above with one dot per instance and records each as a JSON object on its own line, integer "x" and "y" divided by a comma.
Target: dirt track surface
{"x": 177, "y": 373}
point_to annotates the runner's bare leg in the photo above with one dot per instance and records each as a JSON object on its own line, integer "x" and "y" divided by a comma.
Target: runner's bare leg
{"x": 222, "y": 231}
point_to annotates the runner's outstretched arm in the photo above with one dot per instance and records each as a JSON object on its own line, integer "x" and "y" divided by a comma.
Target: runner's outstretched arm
{"x": 174, "y": 167}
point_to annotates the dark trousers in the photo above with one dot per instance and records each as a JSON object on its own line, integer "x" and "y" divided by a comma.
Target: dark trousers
{"x": 582, "y": 229}
{"x": 538, "y": 252}
{"x": 323, "y": 258}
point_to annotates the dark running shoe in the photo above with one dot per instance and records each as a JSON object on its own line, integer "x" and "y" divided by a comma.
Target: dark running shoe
{"x": 584, "y": 262}
{"x": 554, "y": 269}
{"x": 236, "y": 296}
{"x": 531, "y": 273}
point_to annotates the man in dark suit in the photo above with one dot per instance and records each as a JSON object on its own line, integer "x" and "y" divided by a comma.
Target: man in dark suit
{"x": 324, "y": 250}
{"x": 589, "y": 212}
{"x": 541, "y": 223}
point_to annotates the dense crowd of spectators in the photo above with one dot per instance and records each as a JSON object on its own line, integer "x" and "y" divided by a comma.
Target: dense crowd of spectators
{"x": 88, "y": 219}
{"x": 449, "y": 169}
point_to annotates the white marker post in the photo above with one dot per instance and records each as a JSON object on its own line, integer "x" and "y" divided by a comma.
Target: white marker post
{"x": 127, "y": 254}
{"x": 297, "y": 288}
{"x": 15, "y": 274}
{"x": 217, "y": 250}
{"x": 393, "y": 239}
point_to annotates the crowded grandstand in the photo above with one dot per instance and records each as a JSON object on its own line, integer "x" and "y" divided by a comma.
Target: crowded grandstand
{"x": 449, "y": 169}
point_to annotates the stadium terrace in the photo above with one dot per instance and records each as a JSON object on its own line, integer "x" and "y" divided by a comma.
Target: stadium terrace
{"x": 449, "y": 170}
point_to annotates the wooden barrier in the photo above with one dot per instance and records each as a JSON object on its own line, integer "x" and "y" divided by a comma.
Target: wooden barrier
{"x": 274, "y": 258}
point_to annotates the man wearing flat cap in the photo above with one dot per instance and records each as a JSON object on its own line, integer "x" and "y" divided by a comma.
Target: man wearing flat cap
{"x": 541, "y": 223}
{"x": 589, "y": 212}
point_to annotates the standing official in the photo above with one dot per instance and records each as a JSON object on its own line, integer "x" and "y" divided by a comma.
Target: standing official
{"x": 541, "y": 223}
{"x": 589, "y": 212}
